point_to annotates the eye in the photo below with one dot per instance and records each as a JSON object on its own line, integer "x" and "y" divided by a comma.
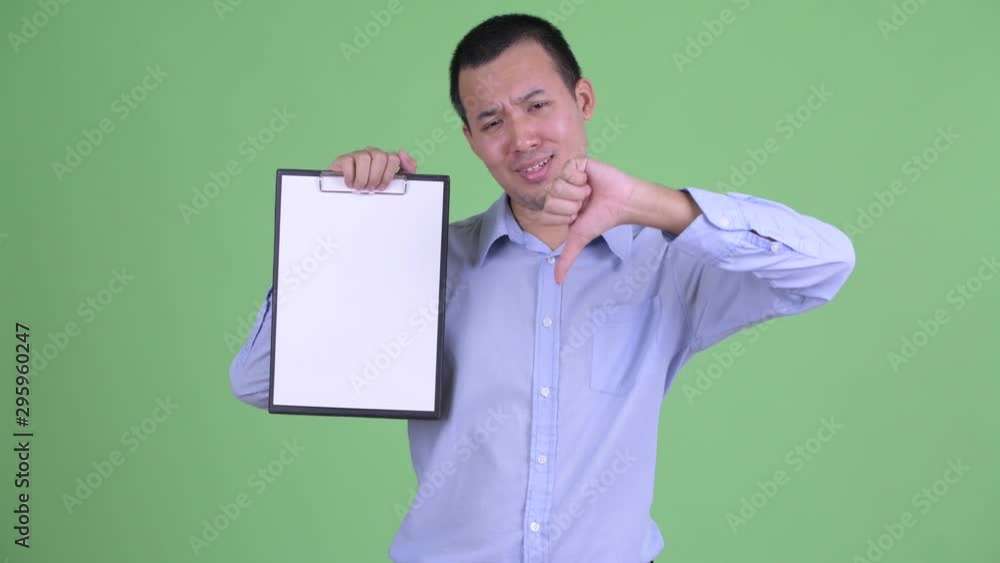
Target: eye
{"x": 491, "y": 124}
{"x": 538, "y": 105}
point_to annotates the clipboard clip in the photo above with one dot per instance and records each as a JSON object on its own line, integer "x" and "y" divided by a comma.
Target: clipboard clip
{"x": 330, "y": 181}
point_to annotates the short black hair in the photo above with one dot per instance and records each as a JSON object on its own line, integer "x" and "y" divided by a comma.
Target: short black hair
{"x": 489, "y": 39}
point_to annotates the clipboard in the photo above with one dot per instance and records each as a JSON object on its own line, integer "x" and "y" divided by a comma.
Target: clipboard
{"x": 358, "y": 296}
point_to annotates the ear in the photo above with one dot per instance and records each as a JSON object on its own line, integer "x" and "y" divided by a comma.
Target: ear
{"x": 585, "y": 100}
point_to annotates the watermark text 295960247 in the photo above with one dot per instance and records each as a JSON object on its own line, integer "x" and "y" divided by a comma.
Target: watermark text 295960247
{"x": 22, "y": 510}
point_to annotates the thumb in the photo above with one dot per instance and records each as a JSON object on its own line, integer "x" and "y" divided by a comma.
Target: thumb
{"x": 574, "y": 246}
{"x": 407, "y": 163}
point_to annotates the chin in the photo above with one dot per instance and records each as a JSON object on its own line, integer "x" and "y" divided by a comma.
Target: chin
{"x": 528, "y": 197}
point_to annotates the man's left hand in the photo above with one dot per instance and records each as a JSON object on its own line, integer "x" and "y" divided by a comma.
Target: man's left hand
{"x": 605, "y": 207}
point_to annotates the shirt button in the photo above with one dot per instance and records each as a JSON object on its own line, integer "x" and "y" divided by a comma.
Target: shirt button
{"x": 552, "y": 259}
{"x": 547, "y": 322}
{"x": 544, "y": 391}
{"x": 542, "y": 459}
{"x": 775, "y": 247}
{"x": 535, "y": 527}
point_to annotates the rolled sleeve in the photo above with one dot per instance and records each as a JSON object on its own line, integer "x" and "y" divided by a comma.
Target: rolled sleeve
{"x": 250, "y": 370}
{"x": 747, "y": 259}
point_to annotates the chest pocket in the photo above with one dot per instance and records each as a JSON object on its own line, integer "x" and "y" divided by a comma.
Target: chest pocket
{"x": 621, "y": 345}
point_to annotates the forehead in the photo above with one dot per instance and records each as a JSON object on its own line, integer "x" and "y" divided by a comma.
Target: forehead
{"x": 522, "y": 66}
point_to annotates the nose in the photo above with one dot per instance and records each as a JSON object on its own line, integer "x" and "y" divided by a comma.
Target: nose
{"x": 524, "y": 135}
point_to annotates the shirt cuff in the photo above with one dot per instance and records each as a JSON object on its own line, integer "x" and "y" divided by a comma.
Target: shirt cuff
{"x": 734, "y": 221}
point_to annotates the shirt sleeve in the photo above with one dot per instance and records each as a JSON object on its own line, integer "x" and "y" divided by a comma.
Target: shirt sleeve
{"x": 250, "y": 371}
{"x": 729, "y": 276}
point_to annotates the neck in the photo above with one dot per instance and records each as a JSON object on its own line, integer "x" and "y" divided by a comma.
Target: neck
{"x": 527, "y": 219}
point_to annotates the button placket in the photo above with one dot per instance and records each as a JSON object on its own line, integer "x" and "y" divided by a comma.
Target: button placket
{"x": 539, "y": 496}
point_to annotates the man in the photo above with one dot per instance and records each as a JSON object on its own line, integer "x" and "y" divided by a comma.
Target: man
{"x": 577, "y": 296}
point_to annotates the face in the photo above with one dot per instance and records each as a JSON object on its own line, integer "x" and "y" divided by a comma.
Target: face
{"x": 524, "y": 123}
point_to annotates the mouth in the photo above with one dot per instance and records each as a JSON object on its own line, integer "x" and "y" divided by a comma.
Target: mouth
{"x": 538, "y": 171}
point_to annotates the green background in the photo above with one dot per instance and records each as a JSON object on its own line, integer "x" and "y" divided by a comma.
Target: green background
{"x": 197, "y": 281}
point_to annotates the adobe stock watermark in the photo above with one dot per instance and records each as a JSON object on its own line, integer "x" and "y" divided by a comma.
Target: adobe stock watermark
{"x": 229, "y": 512}
{"x": 613, "y": 128}
{"x": 901, "y": 13}
{"x": 389, "y": 351}
{"x": 291, "y": 279}
{"x": 466, "y": 446}
{"x": 244, "y": 324}
{"x": 132, "y": 439}
{"x": 87, "y": 310}
{"x": 697, "y": 44}
{"x": 796, "y": 459}
{"x": 645, "y": 271}
{"x": 224, "y": 7}
{"x": 563, "y": 12}
{"x": 425, "y": 146}
{"x": 787, "y": 126}
{"x": 583, "y": 332}
{"x": 122, "y": 107}
{"x": 927, "y": 329}
{"x": 724, "y": 359}
{"x": 249, "y": 150}
{"x": 590, "y": 492}
{"x": 913, "y": 168}
{"x": 365, "y": 34}
{"x": 30, "y": 26}
{"x": 924, "y": 500}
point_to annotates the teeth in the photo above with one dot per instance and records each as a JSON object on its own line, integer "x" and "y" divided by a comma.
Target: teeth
{"x": 537, "y": 166}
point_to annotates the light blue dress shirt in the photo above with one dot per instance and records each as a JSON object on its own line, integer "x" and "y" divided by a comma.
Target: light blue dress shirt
{"x": 547, "y": 450}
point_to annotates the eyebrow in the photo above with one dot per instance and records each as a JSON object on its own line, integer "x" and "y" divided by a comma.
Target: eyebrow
{"x": 490, "y": 112}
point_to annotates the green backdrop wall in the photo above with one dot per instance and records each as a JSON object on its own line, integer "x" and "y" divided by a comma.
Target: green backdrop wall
{"x": 138, "y": 281}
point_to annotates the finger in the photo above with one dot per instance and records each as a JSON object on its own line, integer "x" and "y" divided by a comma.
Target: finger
{"x": 379, "y": 161}
{"x": 559, "y": 206}
{"x": 362, "y": 169}
{"x": 347, "y": 167}
{"x": 573, "y": 174}
{"x": 557, "y": 220}
{"x": 409, "y": 165}
{"x": 574, "y": 246}
{"x": 574, "y": 177}
{"x": 391, "y": 167}
{"x": 562, "y": 189}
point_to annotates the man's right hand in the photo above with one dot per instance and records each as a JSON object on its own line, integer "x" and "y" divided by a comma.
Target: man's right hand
{"x": 372, "y": 168}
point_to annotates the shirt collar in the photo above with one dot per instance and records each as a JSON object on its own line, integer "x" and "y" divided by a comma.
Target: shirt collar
{"x": 499, "y": 222}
